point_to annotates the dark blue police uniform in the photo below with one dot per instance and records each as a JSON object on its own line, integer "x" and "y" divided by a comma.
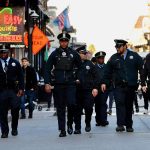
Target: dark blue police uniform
{"x": 145, "y": 80}
{"x": 125, "y": 75}
{"x": 101, "y": 98}
{"x": 63, "y": 62}
{"x": 87, "y": 77}
{"x": 11, "y": 80}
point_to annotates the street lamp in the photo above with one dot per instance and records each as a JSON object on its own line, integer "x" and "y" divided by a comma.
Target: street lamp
{"x": 32, "y": 21}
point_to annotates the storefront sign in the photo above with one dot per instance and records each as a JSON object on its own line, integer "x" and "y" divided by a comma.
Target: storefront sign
{"x": 11, "y": 25}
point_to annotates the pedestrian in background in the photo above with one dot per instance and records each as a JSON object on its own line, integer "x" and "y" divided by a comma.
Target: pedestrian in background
{"x": 30, "y": 81}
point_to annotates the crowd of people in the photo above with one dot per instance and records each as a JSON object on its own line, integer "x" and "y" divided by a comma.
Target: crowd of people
{"x": 77, "y": 83}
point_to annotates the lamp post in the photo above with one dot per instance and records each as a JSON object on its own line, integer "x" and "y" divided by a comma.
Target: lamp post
{"x": 32, "y": 21}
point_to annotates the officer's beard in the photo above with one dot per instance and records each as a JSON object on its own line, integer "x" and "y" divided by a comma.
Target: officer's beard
{"x": 4, "y": 58}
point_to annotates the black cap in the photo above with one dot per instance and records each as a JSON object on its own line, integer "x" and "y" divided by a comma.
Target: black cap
{"x": 4, "y": 48}
{"x": 100, "y": 54}
{"x": 64, "y": 36}
{"x": 120, "y": 42}
{"x": 93, "y": 59}
{"x": 81, "y": 49}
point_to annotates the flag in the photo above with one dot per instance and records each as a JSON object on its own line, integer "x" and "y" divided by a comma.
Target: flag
{"x": 46, "y": 55}
{"x": 91, "y": 49}
{"x": 62, "y": 20}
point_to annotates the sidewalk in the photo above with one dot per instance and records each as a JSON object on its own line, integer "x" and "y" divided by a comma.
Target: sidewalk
{"x": 40, "y": 133}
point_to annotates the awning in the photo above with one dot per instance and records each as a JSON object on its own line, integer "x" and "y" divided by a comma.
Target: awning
{"x": 49, "y": 31}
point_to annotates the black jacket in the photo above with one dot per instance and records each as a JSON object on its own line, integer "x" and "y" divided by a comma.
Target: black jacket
{"x": 30, "y": 77}
{"x": 88, "y": 75}
{"x": 13, "y": 78}
{"x": 123, "y": 72}
{"x": 146, "y": 71}
{"x": 62, "y": 62}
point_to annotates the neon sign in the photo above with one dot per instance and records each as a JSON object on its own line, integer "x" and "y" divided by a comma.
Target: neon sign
{"x": 11, "y": 24}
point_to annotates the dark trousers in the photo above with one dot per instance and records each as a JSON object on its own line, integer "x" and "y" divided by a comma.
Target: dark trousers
{"x": 124, "y": 105}
{"x": 9, "y": 100}
{"x": 65, "y": 96}
{"x": 111, "y": 99}
{"x": 146, "y": 97}
{"x": 29, "y": 97}
{"x": 85, "y": 100}
{"x": 136, "y": 101}
{"x": 101, "y": 107}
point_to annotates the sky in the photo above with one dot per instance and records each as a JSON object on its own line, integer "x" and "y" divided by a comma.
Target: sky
{"x": 99, "y": 22}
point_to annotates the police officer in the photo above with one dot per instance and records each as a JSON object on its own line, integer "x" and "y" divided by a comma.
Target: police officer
{"x": 101, "y": 98}
{"x": 63, "y": 60}
{"x": 145, "y": 81}
{"x": 87, "y": 80}
{"x": 124, "y": 66}
{"x": 11, "y": 88}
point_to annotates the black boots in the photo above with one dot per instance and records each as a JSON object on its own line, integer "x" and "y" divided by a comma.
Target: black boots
{"x": 62, "y": 133}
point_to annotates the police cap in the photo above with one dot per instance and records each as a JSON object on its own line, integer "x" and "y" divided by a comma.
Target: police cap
{"x": 93, "y": 59}
{"x": 100, "y": 54}
{"x": 120, "y": 42}
{"x": 4, "y": 48}
{"x": 64, "y": 36}
{"x": 82, "y": 49}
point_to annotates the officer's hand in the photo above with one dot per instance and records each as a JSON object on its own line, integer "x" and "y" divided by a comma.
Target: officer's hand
{"x": 94, "y": 92}
{"x": 103, "y": 87}
{"x": 144, "y": 89}
{"x": 20, "y": 93}
{"x": 48, "y": 88}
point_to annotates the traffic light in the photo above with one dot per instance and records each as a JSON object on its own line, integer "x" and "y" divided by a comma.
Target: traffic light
{"x": 9, "y": 3}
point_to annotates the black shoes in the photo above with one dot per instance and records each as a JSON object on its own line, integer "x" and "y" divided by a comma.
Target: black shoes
{"x": 23, "y": 117}
{"x": 88, "y": 128}
{"x": 120, "y": 129}
{"x": 109, "y": 112}
{"x": 14, "y": 132}
{"x": 129, "y": 129}
{"x": 103, "y": 124}
{"x": 137, "y": 110}
{"x": 77, "y": 131}
{"x": 70, "y": 130}
{"x": 4, "y": 135}
{"x": 62, "y": 134}
{"x": 30, "y": 116}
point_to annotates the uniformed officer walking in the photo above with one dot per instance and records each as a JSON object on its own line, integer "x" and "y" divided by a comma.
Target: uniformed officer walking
{"x": 11, "y": 88}
{"x": 145, "y": 80}
{"x": 101, "y": 98}
{"x": 124, "y": 66}
{"x": 63, "y": 60}
{"x": 87, "y": 89}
